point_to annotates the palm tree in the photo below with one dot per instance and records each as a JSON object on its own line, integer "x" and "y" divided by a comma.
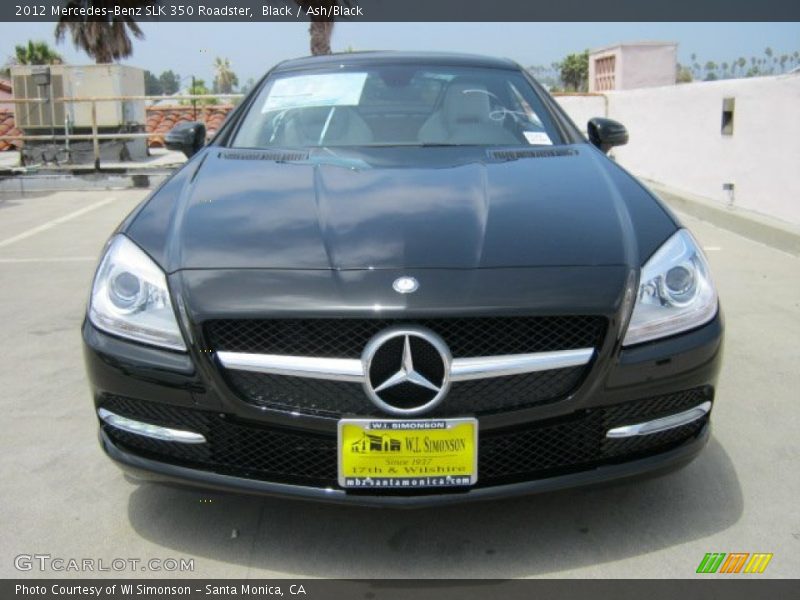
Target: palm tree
{"x": 36, "y": 53}
{"x": 103, "y": 40}
{"x": 711, "y": 68}
{"x": 224, "y": 79}
{"x": 321, "y": 28}
{"x": 742, "y": 62}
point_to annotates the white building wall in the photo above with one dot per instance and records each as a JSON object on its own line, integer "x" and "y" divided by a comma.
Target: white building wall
{"x": 582, "y": 108}
{"x": 647, "y": 65}
{"x": 676, "y": 140}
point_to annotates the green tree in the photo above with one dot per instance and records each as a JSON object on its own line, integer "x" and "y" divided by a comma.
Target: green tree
{"x": 742, "y": 62}
{"x": 225, "y": 80}
{"x": 200, "y": 89}
{"x": 152, "y": 85}
{"x": 170, "y": 82}
{"x": 105, "y": 40}
{"x": 684, "y": 75}
{"x": 574, "y": 71}
{"x": 36, "y": 53}
{"x": 248, "y": 85}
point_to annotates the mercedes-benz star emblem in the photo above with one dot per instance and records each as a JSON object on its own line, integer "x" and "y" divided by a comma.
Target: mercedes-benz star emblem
{"x": 407, "y": 370}
{"x": 405, "y": 285}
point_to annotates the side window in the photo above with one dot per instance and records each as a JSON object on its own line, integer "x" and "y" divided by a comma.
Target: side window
{"x": 522, "y": 106}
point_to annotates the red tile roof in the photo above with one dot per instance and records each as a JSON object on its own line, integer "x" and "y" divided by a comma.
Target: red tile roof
{"x": 160, "y": 119}
{"x": 7, "y": 127}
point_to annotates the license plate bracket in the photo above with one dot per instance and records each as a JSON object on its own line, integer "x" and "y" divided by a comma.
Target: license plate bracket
{"x": 408, "y": 453}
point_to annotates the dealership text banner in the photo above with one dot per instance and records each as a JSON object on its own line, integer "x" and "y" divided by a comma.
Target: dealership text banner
{"x": 403, "y": 10}
{"x": 397, "y": 589}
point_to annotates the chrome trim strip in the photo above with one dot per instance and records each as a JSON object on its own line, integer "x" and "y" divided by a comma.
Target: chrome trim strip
{"x": 484, "y": 367}
{"x": 337, "y": 369}
{"x": 157, "y": 432}
{"x": 352, "y": 369}
{"x": 662, "y": 424}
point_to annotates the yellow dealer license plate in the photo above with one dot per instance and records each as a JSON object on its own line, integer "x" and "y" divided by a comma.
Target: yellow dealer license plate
{"x": 384, "y": 453}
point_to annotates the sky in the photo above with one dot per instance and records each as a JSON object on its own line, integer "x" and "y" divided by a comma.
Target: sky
{"x": 190, "y": 48}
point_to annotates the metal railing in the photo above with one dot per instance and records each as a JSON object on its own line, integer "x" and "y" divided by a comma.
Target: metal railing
{"x": 95, "y": 136}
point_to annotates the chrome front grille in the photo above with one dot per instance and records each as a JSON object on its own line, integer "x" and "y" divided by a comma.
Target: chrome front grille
{"x": 499, "y": 363}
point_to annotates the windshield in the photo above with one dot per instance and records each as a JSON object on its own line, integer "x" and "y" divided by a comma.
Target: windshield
{"x": 396, "y": 105}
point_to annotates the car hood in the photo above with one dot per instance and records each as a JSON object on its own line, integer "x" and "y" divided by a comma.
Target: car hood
{"x": 239, "y": 210}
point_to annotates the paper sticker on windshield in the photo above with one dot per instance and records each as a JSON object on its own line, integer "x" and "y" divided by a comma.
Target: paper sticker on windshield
{"x": 538, "y": 137}
{"x": 335, "y": 89}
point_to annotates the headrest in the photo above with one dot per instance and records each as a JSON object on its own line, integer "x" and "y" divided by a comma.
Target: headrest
{"x": 466, "y": 103}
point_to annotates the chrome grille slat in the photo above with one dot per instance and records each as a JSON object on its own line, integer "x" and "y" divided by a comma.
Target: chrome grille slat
{"x": 349, "y": 369}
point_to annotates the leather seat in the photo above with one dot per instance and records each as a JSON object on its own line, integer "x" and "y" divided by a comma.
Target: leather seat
{"x": 463, "y": 118}
{"x": 345, "y": 127}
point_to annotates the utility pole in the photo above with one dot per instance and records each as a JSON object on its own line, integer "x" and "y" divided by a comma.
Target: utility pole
{"x": 194, "y": 102}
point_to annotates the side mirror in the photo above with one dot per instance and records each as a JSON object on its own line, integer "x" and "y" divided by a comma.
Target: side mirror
{"x": 186, "y": 137}
{"x": 607, "y": 133}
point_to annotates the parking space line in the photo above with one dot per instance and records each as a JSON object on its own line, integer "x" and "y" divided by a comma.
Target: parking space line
{"x": 57, "y": 259}
{"x": 50, "y": 224}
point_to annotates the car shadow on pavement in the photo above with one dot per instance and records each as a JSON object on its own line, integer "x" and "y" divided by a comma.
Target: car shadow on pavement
{"x": 534, "y": 535}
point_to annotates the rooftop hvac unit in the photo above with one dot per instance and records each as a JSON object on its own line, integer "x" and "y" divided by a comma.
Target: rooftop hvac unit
{"x": 78, "y": 81}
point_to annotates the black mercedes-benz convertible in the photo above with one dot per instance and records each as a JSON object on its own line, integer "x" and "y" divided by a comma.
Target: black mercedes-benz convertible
{"x": 401, "y": 279}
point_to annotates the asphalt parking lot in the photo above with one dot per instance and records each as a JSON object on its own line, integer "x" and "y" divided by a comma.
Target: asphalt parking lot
{"x": 62, "y": 497}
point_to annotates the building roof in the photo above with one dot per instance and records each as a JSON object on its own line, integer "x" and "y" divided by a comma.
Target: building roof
{"x": 7, "y": 127}
{"x": 388, "y": 58}
{"x": 5, "y": 86}
{"x": 631, "y": 44}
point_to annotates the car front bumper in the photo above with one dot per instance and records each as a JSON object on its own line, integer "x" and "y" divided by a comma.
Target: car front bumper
{"x": 651, "y": 377}
{"x": 147, "y": 470}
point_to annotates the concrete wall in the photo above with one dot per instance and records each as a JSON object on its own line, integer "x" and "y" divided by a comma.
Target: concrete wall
{"x": 637, "y": 65}
{"x": 676, "y": 139}
{"x": 582, "y": 108}
{"x": 647, "y": 65}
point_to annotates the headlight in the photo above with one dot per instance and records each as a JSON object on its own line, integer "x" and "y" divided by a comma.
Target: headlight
{"x": 675, "y": 292}
{"x": 130, "y": 297}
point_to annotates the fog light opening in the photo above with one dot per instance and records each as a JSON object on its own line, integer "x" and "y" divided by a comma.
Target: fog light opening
{"x": 662, "y": 424}
{"x": 157, "y": 432}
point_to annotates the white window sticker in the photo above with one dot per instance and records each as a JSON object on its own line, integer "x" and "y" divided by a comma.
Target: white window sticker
{"x": 335, "y": 89}
{"x": 538, "y": 137}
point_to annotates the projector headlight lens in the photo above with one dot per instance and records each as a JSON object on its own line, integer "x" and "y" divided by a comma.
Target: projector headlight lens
{"x": 675, "y": 292}
{"x": 130, "y": 297}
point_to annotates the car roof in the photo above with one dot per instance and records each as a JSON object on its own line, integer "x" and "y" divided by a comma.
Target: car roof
{"x": 389, "y": 58}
